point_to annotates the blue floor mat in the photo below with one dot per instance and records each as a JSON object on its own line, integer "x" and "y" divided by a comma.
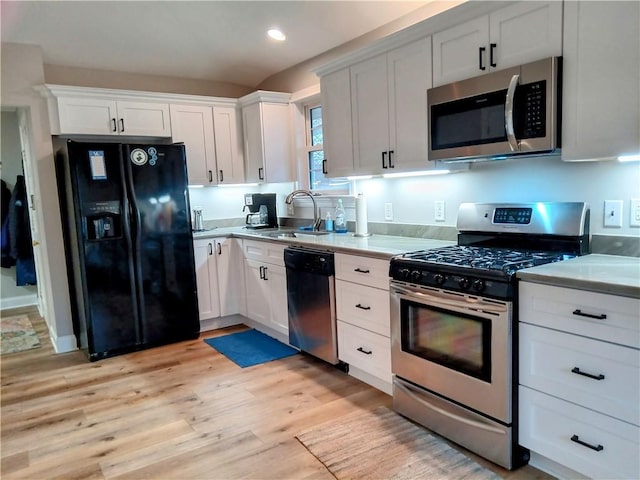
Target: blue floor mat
{"x": 250, "y": 348}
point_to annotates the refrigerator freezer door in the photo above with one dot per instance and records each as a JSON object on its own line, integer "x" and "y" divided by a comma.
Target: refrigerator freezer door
{"x": 163, "y": 244}
{"x": 99, "y": 248}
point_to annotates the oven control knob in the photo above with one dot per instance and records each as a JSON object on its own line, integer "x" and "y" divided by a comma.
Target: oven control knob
{"x": 416, "y": 275}
{"x": 404, "y": 273}
{"x": 478, "y": 285}
{"x": 464, "y": 283}
{"x": 439, "y": 278}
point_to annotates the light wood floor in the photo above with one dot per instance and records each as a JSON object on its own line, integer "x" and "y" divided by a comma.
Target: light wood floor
{"x": 177, "y": 412}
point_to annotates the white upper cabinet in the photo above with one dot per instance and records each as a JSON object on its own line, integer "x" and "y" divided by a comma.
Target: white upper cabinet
{"x": 100, "y": 115}
{"x": 193, "y": 126}
{"x": 514, "y": 35}
{"x": 389, "y": 114}
{"x": 601, "y": 80}
{"x": 385, "y": 97}
{"x": 229, "y": 156}
{"x": 335, "y": 89}
{"x": 266, "y": 122}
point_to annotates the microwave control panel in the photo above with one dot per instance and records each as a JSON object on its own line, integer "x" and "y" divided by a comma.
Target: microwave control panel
{"x": 533, "y": 112}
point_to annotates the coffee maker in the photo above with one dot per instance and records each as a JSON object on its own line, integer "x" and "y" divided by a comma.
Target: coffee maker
{"x": 262, "y": 210}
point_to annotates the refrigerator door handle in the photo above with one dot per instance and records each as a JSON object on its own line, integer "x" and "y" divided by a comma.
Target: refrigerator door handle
{"x": 136, "y": 238}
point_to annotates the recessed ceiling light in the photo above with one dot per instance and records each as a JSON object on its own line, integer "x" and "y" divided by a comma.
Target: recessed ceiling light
{"x": 276, "y": 35}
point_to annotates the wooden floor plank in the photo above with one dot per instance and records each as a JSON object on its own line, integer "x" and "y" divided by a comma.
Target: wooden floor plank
{"x": 180, "y": 411}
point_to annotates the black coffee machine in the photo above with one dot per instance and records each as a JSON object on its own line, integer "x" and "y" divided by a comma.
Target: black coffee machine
{"x": 265, "y": 217}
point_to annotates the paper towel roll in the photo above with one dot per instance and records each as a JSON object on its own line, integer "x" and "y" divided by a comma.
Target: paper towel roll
{"x": 361, "y": 216}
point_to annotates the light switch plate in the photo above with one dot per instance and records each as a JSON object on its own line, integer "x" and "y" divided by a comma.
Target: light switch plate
{"x": 634, "y": 213}
{"x": 613, "y": 213}
{"x": 388, "y": 211}
{"x": 439, "y": 211}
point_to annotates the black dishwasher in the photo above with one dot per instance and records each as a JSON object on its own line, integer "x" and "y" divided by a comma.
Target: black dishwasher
{"x": 311, "y": 302}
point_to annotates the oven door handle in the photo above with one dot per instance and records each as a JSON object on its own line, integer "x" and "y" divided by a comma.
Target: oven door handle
{"x": 414, "y": 394}
{"x": 445, "y": 300}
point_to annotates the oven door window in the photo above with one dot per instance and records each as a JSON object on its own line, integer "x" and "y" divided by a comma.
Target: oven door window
{"x": 457, "y": 341}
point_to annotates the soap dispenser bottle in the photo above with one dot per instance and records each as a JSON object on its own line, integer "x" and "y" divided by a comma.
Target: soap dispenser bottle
{"x": 340, "y": 222}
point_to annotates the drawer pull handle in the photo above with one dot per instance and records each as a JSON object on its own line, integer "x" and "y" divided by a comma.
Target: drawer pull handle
{"x": 585, "y": 374}
{"x": 580, "y": 313}
{"x": 597, "y": 448}
{"x": 362, "y": 308}
{"x": 366, "y": 352}
{"x": 359, "y": 270}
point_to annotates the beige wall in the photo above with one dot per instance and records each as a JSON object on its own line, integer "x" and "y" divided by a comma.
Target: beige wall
{"x": 84, "y": 77}
{"x": 22, "y": 69}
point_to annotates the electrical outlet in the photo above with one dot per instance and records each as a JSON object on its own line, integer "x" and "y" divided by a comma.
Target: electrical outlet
{"x": 634, "y": 213}
{"x": 613, "y": 213}
{"x": 388, "y": 211}
{"x": 439, "y": 211}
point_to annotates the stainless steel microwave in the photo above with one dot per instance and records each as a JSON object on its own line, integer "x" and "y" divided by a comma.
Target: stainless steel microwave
{"x": 515, "y": 111}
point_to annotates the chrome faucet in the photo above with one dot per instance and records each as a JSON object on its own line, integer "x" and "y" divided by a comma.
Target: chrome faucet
{"x": 316, "y": 216}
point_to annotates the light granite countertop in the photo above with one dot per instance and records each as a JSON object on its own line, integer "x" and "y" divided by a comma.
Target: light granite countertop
{"x": 380, "y": 246}
{"x": 611, "y": 274}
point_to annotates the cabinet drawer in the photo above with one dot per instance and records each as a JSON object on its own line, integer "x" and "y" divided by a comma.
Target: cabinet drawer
{"x": 365, "y": 350}
{"x": 268, "y": 252}
{"x": 367, "y": 271}
{"x": 604, "y": 317}
{"x": 548, "y": 424}
{"x": 363, "y": 306}
{"x": 564, "y": 365}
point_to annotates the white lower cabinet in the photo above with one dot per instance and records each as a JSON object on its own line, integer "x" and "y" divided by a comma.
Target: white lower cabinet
{"x": 266, "y": 285}
{"x": 363, "y": 312}
{"x": 219, "y": 281}
{"x": 581, "y": 439}
{"x": 579, "y": 379}
{"x": 206, "y": 278}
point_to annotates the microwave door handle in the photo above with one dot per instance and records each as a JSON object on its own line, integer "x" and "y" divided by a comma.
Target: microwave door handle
{"x": 508, "y": 113}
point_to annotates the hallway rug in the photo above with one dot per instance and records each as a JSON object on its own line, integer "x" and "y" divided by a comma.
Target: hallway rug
{"x": 250, "y": 347}
{"x": 17, "y": 334}
{"x": 383, "y": 445}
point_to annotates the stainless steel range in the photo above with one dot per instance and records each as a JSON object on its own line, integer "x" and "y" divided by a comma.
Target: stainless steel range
{"x": 454, "y": 321}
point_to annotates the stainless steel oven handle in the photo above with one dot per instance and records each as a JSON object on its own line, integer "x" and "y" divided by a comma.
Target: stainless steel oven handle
{"x": 443, "y": 299}
{"x": 508, "y": 113}
{"x": 413, "y": 394}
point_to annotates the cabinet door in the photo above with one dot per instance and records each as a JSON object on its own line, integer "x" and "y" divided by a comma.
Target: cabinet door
{"x": 230, "y": 277}
{"x": 253, "y": 146}
{"x": 257, "y": 293}
{"x": 193, "y": 125}
{"x": 336, "y": 123}
{"x": 229, "y": 157}
{"x": 277, "y": 281}
{"x": 601, "y": 97}
{"x": 526, "y": 32}
{"x": 206, "y": 279}
{"x": 457, "y": 51}
{"x": 92, "y": 116}
{"x": 409, "y": 70}
{"x": 370, "y": 115}
{"x": 276, "y": 127}
{"x": 144, "y": 119}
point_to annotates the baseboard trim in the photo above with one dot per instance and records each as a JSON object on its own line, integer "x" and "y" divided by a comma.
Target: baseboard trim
{"x": 372, "y": 380}
{"x": 64, "y": 344}
{"x": 18, "y": 302}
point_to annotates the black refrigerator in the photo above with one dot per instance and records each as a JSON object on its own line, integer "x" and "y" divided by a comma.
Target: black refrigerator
{"x": 128, "y": 242}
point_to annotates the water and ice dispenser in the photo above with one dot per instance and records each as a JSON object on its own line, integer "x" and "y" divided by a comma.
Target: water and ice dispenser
{"x": 102, "y": 220}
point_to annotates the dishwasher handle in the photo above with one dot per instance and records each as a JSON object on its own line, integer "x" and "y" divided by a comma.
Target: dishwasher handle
{"x": 319, "y": 262}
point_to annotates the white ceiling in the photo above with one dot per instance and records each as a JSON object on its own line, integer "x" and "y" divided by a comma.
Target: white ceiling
{"x": 206, "y": 40}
